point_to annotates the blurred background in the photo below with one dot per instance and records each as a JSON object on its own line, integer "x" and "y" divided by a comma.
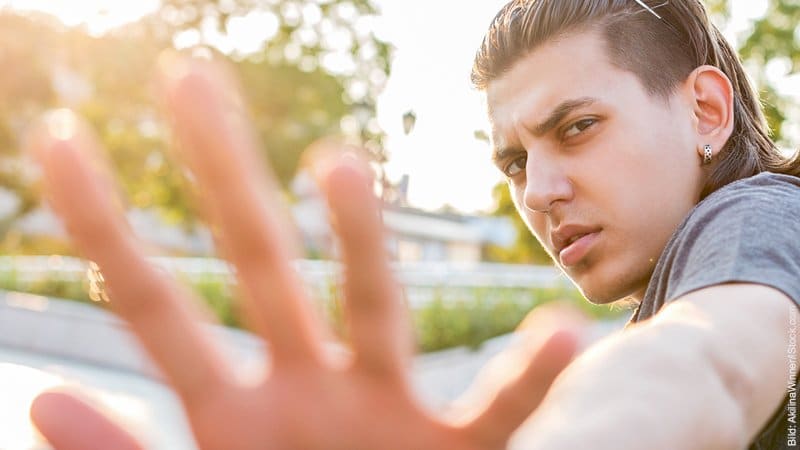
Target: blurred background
{"x": 390, "y": 76}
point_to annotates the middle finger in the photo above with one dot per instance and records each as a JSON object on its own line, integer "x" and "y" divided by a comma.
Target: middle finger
{"x": 220, "y": 148}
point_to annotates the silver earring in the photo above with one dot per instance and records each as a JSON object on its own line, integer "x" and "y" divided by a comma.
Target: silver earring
{"x": 708, "y": 154}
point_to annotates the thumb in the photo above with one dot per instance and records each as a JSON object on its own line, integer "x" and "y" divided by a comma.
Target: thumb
{"x": 69, "y": 423}
{"x": 511, "y": 403}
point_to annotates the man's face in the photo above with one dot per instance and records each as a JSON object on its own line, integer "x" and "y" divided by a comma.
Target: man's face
{"x": 585, "y": 141}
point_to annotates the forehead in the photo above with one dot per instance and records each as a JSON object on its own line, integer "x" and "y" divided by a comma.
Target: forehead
{"x": 570, "y": 67}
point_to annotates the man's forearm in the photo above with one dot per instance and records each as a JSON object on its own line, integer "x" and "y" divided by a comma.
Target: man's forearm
{"x": 651, "y": 387}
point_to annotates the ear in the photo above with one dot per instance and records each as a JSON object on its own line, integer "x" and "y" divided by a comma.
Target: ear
{"x": 710, "y": 93}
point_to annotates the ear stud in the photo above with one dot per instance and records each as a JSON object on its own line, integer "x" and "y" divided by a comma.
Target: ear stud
{"x": 708, "y": 154}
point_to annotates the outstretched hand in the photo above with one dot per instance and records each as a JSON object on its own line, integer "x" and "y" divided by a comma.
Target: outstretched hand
{"x": 308, "y": 399}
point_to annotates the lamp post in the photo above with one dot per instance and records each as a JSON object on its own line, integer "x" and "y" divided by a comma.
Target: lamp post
{"x": 409, "y": 120}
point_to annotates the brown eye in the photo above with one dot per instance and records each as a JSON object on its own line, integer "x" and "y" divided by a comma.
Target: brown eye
{"x": 516, "y": 167}
{"x": 578, "y": 127}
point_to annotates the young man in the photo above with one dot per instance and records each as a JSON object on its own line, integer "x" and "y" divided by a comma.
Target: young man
{"x": 632, "y": 131}
{"x": 637, "y": 154}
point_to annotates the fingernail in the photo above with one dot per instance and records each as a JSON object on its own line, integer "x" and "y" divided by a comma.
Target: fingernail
{"x": 62, "y": 133}
{"x": 172, "y": 66}
{"x": 356, "y": 161}
{"x": 350, "y": 157}
{"x": 198, "y": 84}
{"x": 61, "y": 124}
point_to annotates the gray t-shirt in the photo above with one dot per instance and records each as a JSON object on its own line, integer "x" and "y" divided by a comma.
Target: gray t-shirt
{"x": 747, "y": 231}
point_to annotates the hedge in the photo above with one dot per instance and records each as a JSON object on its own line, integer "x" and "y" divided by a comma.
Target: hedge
{"x": 451, "y": 317}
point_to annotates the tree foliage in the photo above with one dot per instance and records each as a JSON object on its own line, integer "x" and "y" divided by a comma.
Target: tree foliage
{"x": 526, "y": 249}
{"x": 318, "y": 73}
{"x": 774, "y": 38}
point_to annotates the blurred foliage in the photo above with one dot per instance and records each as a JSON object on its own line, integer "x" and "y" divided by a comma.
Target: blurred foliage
{"x": 317, "y": 74}
{"x": 48, "y": 284}
{"x": 526, "y": 248}
{"x": 219, "y": 295}
{"x": 452, "y": 317}
{"x": 772, "y": 38}
{"x": 470, "y": 317}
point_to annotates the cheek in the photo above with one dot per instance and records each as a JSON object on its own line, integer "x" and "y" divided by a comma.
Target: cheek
{"x": 536, "y": 223}
{"x": 669, "y": 180}
{"x": 658, "y": 169}
{"x": 646, "y": 217}
{"x": 642, "y": 194}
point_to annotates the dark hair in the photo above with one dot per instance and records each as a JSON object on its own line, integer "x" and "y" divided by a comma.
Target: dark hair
{"x": 660, "y": 52}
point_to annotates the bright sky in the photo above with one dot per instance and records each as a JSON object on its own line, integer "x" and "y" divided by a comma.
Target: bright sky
{"x": 100, "y": 15}
{"x": 435, "y": 42}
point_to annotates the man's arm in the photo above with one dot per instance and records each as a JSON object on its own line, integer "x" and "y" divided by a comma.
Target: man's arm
{"x": 707, "y": 372}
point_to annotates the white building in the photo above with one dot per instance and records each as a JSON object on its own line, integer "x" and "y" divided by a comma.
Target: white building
{"x": 414, "y": 235}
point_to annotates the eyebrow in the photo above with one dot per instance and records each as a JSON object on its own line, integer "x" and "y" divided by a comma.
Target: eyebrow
{"x": 553, "y": 119}
{"x": 559, "y": 113}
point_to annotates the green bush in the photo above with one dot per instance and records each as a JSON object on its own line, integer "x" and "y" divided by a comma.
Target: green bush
{"x": 452, "y": 317}
{"x": 49, "y": 285}
{"x": 477, "y": 315}
{"x": 220, "y": 297}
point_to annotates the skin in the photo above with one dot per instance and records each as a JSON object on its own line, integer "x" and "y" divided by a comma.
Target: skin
{"x": 705, "y": 373}
{"x": 708, "y": 358}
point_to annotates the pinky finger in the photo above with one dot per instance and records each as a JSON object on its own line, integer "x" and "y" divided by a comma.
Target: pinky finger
{"x": 70, "y": 424}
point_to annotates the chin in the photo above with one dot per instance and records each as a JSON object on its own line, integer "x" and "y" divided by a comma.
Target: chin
{"x": 604, "y": 281}
{"x": 599, "y": 298}
{"x": 605, "y": 292}
{"x": 595, "y": 293}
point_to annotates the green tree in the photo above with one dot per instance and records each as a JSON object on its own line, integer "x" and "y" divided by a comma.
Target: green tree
{"x": 24, "y": 85}
{"x": 319, "y": 74}
{"x": 526, "y": 249}
{"x": 325, "y": 48}
{"x": 774, "y": 37}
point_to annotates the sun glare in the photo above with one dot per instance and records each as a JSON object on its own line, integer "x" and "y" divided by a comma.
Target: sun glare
{"x": 449, "y": 111}
{"x": 20, "y": 386}
{"x": 99, "y": 16}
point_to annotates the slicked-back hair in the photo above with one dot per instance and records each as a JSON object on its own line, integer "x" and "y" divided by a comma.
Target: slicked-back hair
{"x": 661, "y": 52}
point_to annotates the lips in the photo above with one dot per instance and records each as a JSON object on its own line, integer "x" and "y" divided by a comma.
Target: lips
{"x": 574, "y": 253}
{"x": 566, "y": 235}
{"x": 575, "y": 238}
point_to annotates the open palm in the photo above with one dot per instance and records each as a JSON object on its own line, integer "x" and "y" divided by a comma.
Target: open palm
{"x": 309, "y": 398}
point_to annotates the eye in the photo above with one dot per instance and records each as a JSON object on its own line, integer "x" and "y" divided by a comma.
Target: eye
{"x": 516, "y": 167}
{"x": 578, "y": 127}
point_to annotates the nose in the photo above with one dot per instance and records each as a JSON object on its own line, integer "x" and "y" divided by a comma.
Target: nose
{"x": 546, "y": 186}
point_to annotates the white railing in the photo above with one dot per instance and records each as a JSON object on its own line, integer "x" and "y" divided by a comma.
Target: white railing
{"x": 412, "y": 274}
{"x": 422, "y": 281}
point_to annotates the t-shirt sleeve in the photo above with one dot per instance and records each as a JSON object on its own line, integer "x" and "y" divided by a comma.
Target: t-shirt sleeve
{"x": 749, "y": 233}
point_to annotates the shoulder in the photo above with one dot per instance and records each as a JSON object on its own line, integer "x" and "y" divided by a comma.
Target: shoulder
{"x": 763, "y": 192}
{"x": 747, "y": 231}
{"x": 750, "y": 206}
